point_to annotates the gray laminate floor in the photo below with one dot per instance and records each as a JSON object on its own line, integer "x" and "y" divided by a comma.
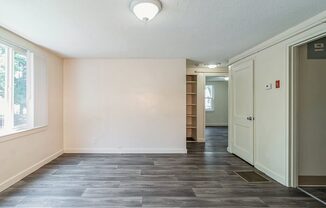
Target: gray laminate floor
{"x": 318, "y": 192}
{"x": 202, "y": 178}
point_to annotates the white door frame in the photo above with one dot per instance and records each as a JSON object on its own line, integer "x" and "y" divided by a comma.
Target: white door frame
{"x": 201, "y": 88}
{"x": 213, "y": 75}
{"x": 293, "y": 148}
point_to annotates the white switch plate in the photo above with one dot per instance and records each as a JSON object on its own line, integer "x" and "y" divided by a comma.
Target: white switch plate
{"x": 268, "y": 86}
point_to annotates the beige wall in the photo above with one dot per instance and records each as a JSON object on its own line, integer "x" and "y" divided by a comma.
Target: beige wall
{"x": 22, "y": 153}
{"x": 312, "y": 115}
{"x": 272, "y": 107}
{"x": 125, "y": 105}
{"x": 218, "y": 117}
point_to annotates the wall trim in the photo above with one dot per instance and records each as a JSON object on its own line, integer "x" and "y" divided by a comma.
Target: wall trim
{"x": 22, "y": 133}
{"x": 216, "y": 124}
{"x": 14, "y": 179}
{"x": 271, "y": 173}
{"x": 200, "y": 139}
{"x": 127, "y": 150}
{"x": 291, "y": 32}
{"x": 229, "y": 149}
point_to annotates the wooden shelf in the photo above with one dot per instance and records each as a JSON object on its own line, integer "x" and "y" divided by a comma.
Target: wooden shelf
{"x": 191, "y": 106}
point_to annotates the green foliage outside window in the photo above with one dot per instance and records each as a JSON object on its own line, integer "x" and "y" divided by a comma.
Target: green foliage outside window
{"x": 2, "y": 74}
{"x": 20, "y": 74}
{"x": 20, "y": 70}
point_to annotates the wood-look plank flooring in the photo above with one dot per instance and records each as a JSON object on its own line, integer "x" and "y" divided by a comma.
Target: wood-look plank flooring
{"x": 202, "y": 178}
{"x": 318, "y": 192}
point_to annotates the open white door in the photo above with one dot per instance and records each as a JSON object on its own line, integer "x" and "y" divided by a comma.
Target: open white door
{"x": 242, "y": 111}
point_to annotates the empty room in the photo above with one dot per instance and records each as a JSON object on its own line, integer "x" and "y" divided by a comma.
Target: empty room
{"x": 162, "y": 103}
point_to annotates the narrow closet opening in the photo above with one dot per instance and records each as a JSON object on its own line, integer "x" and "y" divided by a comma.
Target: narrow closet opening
{"x": 311, "y": 117}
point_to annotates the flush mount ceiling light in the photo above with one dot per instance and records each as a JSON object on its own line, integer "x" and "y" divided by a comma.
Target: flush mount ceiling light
{"x": 212, "y": 66}
{"x": 145, "y": 10}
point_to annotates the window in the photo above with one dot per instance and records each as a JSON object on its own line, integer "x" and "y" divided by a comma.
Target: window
{"x": 15, "y": 89}
{"x": 209, "y": 98}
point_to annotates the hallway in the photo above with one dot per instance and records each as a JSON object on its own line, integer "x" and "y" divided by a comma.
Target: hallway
{"x": 202, "y": 178}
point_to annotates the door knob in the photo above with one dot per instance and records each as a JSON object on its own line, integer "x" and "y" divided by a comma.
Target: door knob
{"x": 249, "y": 118}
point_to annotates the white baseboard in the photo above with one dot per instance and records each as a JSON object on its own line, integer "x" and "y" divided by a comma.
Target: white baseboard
{"x": 229, "y": 150}
{"x": 14, "y": 179}
{"x": 271, "y": 173}
{"x": 126, "y": 150}
{"x": 216, "y": 124}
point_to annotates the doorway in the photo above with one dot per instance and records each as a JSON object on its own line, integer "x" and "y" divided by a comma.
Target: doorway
{"x": 216, "y": 112}
{"x": 309, "y": 76}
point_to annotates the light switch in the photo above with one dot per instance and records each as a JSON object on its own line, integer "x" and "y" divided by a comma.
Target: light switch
{"x": 268, "y": 86}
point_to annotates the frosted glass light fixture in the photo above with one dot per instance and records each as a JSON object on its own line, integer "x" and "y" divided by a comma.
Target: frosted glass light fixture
{"x": 212, "y": 66}
{"x": 145, "y": 10}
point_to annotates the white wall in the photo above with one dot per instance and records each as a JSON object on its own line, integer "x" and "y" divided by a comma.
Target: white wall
{"x": 218, "y": 117}
{"x": 125, "y": 105}
{"x": 272, "y": 107}
{"x": 270, "y": 111}
{"x": 23, "y": 153}
{"x": 312, "y": 115}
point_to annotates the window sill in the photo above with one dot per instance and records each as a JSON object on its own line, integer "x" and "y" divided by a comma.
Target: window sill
{"x": 4, "y": 137}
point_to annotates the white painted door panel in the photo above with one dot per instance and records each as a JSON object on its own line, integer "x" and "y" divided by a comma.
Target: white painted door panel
{"x": 242, "y": 112}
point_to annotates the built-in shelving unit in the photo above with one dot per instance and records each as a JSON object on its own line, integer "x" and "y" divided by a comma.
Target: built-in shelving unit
{"x": 193, "y": 116}
{"x": 191, "y": 107}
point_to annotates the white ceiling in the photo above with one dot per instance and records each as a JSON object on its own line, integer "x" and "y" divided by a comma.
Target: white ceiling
{"x": 201, "y": 30}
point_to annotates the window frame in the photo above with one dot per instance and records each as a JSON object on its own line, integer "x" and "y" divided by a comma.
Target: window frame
{"x": 210, "y": 98}
{"x": 9, "y": 113}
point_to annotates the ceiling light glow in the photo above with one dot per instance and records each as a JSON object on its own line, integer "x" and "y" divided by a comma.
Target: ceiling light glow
{"x": 145, "y": 10}
{"x": 212, "y": 66}
{"x": 226, "y": 78}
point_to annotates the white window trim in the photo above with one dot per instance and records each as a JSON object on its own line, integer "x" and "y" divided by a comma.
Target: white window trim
{"x": 8, "y": 122}
{"x": 7, "y": 136}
